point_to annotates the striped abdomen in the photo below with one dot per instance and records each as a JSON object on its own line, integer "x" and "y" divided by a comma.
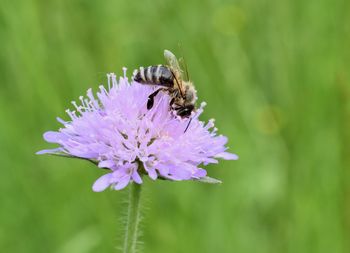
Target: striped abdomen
{"x": 156, "y": 75}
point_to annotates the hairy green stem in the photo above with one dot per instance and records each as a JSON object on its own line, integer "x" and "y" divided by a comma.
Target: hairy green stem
{"x": 133, "y": 219}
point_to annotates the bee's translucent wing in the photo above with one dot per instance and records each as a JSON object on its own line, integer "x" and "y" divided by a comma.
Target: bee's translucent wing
{"x": 173, "y": 64}
{"x": 177, "y": 65}
{"x": 175, "y": 68}
{"x": 183, "y": 65}
{"x": 171, "y": 60}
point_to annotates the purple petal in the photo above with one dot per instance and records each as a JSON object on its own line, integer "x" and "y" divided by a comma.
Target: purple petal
{"x": 63, "y": 122}
{"x": 163, "y": 169}
{"x": 151, "y": 172}
{"x": 210, "y": 160}
{"x": 102, "y": 183}
{"x": 227, "y": 156}
{"x": 200, "y": 173}
{"x": 122, "y": 184}
{"x": 50, "y": 151}
{"x": 136, "y": 177}
{"x": 180, "y": 173}
{"x": 53, "y": 137}
{"x": 106, "y": 164}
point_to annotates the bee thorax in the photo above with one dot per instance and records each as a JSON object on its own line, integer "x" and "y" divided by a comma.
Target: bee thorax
{"x": 190, "y": 93}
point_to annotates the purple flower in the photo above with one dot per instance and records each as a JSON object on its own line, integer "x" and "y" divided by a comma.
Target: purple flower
{"x": 116, "y": 131}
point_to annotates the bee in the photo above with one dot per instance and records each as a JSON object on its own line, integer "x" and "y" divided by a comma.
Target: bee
{"x": 170, "y": 79}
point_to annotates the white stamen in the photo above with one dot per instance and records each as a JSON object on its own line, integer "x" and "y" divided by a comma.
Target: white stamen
{"x": 81, "y": 98}
{"x": 87, "y": 104}
{"x": 61, "y": 121}
{"x": 77, "y": 107}
{"x": 124, "y": 71}
{"x": 114, "y": 80}
{"x": 109, "y": 81}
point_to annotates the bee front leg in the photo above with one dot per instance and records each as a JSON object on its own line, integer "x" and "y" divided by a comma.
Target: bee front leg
{"x": 150, "y": 100}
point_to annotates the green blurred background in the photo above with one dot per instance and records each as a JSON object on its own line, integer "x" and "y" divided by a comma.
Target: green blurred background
{"x": 275, "y": 75}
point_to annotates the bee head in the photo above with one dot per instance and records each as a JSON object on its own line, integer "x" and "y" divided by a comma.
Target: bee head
{"x": 185, "y": 111}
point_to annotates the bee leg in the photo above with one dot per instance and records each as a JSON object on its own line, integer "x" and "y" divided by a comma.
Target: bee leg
{"x": 172, "y": 102}
{"x": 150, "y": 100}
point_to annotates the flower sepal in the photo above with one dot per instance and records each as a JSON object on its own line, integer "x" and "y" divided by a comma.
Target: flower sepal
{"x": 60, "y": 152}
{"x": 208, "y": 180}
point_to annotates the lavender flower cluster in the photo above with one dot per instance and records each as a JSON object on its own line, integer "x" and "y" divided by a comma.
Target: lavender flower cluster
{"x": 115, "y": 130}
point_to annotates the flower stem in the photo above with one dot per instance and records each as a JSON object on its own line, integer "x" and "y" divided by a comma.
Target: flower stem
{"x": 133, "y": 219}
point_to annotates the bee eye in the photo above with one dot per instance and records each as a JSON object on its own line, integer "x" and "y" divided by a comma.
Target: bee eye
{"x": 185, "y": 111}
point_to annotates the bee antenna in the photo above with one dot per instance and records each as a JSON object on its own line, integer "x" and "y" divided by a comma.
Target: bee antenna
{"x": 184, "y": 62}
{"x": 188, "y": 125}
{"x": 186, "y": 70}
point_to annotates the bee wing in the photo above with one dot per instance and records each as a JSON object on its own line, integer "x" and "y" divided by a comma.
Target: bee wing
{"x": 175, "y": 68}
{"x": 173, "y": 63}
{"x": 183, "y": 65}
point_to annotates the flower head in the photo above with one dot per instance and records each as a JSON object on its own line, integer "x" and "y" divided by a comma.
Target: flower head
{"x": 117, "y": 132}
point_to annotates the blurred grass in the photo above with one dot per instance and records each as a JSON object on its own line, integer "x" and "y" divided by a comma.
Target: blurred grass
{"x": 275, "y": 75}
